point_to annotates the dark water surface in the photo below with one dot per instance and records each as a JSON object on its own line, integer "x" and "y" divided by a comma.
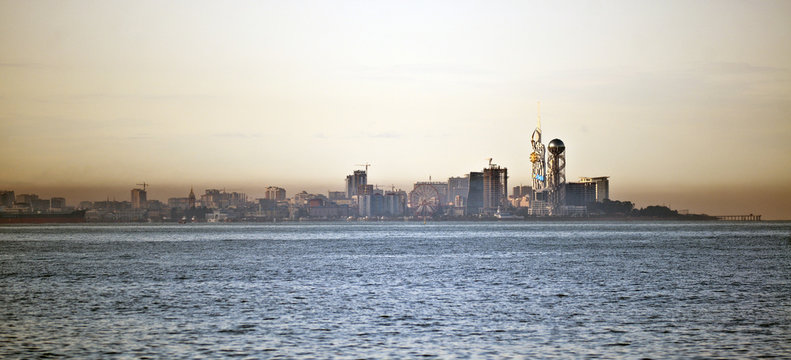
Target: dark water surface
{"x": 403, "y": 290}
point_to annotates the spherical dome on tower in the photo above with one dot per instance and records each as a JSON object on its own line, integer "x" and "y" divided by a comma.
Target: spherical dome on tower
{"x": 556, "y": 146}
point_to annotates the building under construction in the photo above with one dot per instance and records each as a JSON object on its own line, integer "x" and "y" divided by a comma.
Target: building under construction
{"x": 495, "y": 188}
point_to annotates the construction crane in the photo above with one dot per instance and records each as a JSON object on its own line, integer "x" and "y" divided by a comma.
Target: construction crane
{"x": 366, "y": 166}
{"x": 144, "y": 185}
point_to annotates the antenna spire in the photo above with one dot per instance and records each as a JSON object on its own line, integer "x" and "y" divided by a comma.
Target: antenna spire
{"x": 539, "y": 114}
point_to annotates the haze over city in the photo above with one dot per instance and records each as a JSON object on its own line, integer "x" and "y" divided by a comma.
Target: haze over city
{"x": 684, "y": 104}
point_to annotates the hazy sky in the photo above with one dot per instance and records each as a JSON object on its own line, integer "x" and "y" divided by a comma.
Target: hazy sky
{"x": 683, "y": 103}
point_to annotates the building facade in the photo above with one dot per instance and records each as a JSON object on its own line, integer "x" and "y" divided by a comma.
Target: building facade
{"x": 57, "y": 203}
{"x": 7, "y": 198}
{"x": 580, "y": 193}
{"x": 139, "y": 199}
{"x": 495, "y": 188}
{"x": 475, "y": 194}
{"x": 458, "y": 187}
{"x": 354, "y": 181}
{"x": 275, "y": 193}
{"x": 602, "y": 186}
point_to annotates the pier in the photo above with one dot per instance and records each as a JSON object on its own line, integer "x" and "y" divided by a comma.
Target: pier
{"x": 750, "y": 217}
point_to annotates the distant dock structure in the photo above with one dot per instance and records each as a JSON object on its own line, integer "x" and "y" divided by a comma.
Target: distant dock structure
{"x": 750, "y": 217}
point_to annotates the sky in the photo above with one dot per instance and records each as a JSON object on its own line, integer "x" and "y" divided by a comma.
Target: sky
{"x": 682, "y": 103}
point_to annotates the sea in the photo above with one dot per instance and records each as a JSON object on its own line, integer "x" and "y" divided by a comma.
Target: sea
{"x": 471, "y": 290}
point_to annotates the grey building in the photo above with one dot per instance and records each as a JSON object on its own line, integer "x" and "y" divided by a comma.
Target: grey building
{"x": 7, "y": 198}
{"x": 602, "y": 186}
{"x": 354, "y": 181}
{"x": 580, "y": 193}
{"x": 458, "y": 186}
{"x": 475, "y": 194}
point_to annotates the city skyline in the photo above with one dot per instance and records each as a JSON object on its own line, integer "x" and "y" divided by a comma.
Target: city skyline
{"x": 681, "y": 104}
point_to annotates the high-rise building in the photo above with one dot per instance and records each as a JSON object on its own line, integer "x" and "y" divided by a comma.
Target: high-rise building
{"x": 522, "y": 190}
{"x": 57, "y": 203}
{"x": 211, "y": 199}
{"x": 41, "y": 204}
{"x": 139, "y": 199}
{"x": 26, "y": 198}
{"x": 275, "y": 193}
{"x": 602, "y": 184}
{"x": 458, "y": 186}
{"x": 364, "y": 205}
{"x": 7, "y": 198}
{"x": 365, "y": 189}
{"x": 580, "y": 193}
{"x": 495, "y": 188}
{"x": 475, "y": 195}
{"x": 354, "y": 181}
{"x": 394, "y": 203}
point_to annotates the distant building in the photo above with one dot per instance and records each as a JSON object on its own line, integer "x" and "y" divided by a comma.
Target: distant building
{"x": 7, "y": 198}
{"x": 580, "y": 193}
{"x": 370, "y": 205}
{"x": 32, "y": 202}
{"x": 521, "y": 196}
{"x": 539, "y": 204}
{"x": 217, "y": 199}
{"x": 329, "y": 211}
{"x": 394, "y": 203}
{"x": 41, "y": 205}
{"x": 475, "y": 195}
{"x": 522, "y": 190}
{"x": 495, "y": 188}
{"x": 301, "y": 198}
{"x": 367, "y": 190}
{"x": 58, "y": 203}
{"x": 353, "y": 182}
{"x": 180, "y": 203}
{"x": 139, "y": 199}
{"x": 458, "y": 187}
{"x": 336, "y": 195}
{"x": 602, "y": 185}
{"x": 191, "y": 199}
{"x": 275, "y": 193}
{"x": 26, "y": 199}
{"x": 364, "y": 205}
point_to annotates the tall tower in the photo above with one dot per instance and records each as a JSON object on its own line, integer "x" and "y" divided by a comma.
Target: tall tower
{"x": 353, "y": 182}
{"x": 537, "y": 157}
{"x": 139, "y": 199}
{"x": 556, "y": 179}
{"x": 495, "y": 188}
{"x": 191, "y": 199}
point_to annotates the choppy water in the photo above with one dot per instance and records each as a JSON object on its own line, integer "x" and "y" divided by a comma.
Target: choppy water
{"x": 330, "y": 290}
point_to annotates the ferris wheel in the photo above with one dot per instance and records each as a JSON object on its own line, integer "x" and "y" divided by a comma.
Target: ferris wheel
{"x": 424, "y": 200}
